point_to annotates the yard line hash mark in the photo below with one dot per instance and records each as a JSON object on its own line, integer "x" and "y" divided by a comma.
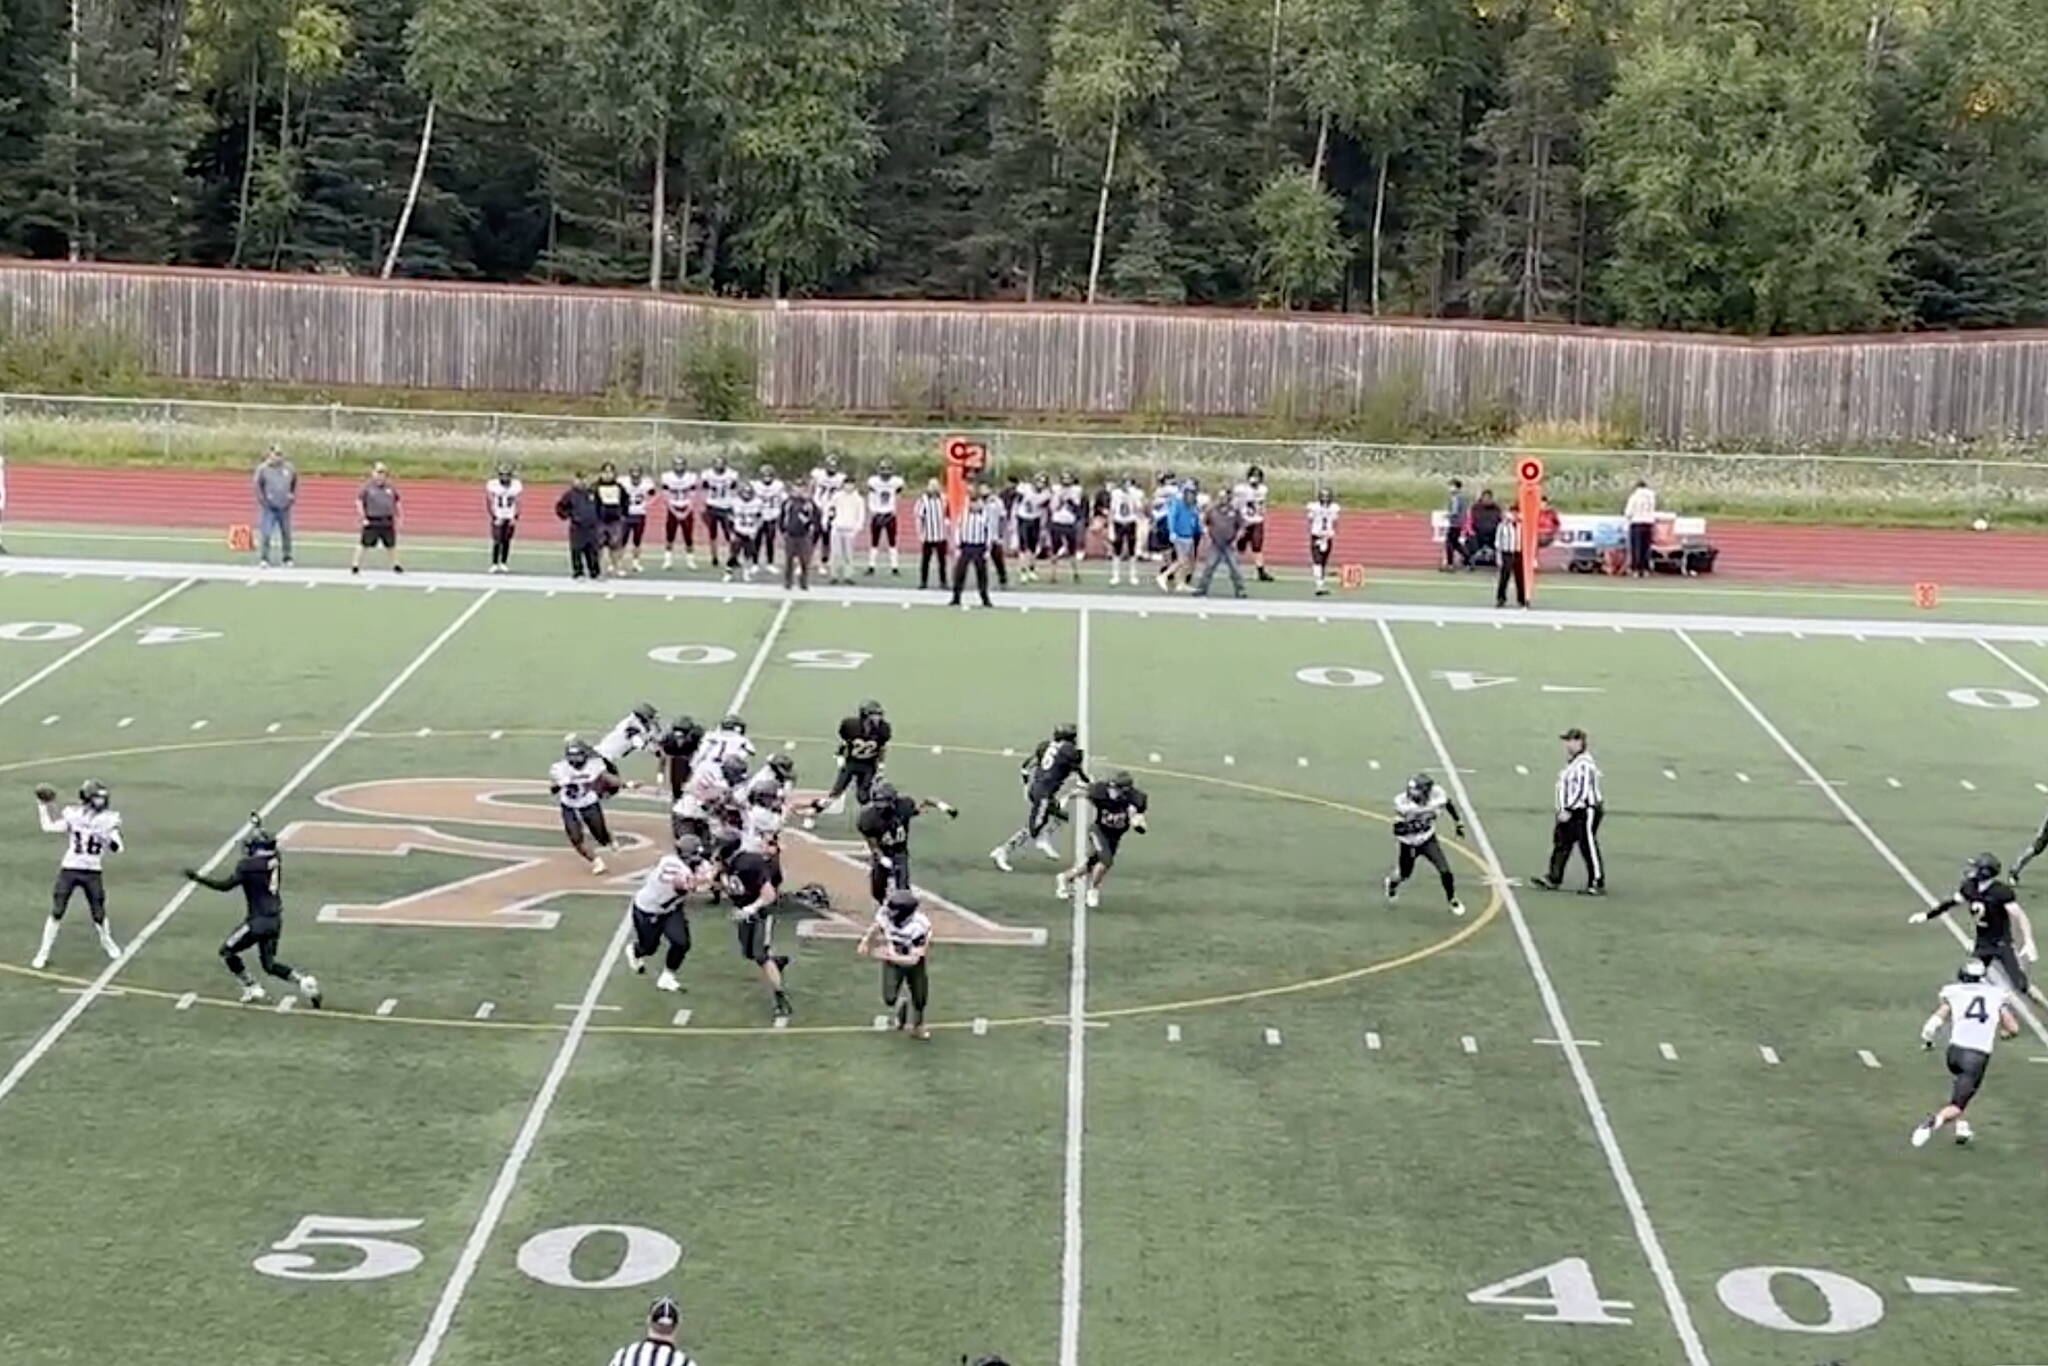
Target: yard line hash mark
{"x": 1768, "y": 1054}
{"x": 1669, "y": 1053}
{"x": 1869, "y": 1058}
{"x": 48, "y": 1039}
{"x": 1173, "y": 1033}
{"x": 1468, "y": 1043}
{"x": 1272, "y": 1037}
{"x": 387, "y": 1005}
{"x": 500, "y": 1195}
{"x": 1647, "y": 1238}
{"x": 186, "y": 1001}
{"x": 1372, "y": 1041}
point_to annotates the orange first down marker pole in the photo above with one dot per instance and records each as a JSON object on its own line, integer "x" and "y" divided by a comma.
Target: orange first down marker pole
{"x": 1529, "y": 507}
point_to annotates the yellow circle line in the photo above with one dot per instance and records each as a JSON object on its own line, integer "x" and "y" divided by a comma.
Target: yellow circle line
{"x": 1479, "y": 922}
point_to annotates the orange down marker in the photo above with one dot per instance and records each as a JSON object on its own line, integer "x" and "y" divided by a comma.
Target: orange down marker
{"x": 1529, "y": 507}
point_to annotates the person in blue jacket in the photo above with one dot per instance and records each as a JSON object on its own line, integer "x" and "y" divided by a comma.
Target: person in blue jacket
{"x": 1183, "y": 525}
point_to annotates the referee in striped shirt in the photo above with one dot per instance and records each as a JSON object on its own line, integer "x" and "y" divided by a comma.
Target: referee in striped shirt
{"x": 977, "y": 529}
{"x": 658, "y": 1348}
{"x": 1580, "y": 809}
{"x": 1507, "y": 548}
{"x": 931, "y": 535}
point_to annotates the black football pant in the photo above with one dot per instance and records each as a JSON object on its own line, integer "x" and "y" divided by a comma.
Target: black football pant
{"x": 583, "y": 556}
{"x": 501, "y": 541}
{"x": 973, "y": 557}
{"x": 928, "y": 553}
{"x": 895, "y": 877}
{"x": 1639, "y": 547}
{"x": 1580, "y": 831}
{"x": 82, "y": 880}
{"x": 895, "y": 977}
{"x": 262, "y": 936}
{"x": 796, "y": 561}
{"x": 2001, "y": 952}
{"x": 859, "y": 776}
{"x": 687, "y": 525}
{"x": 650, "y": 930}
{"x": 1510, "y": 572}
{"x": 995, "y": 555}
{"x": 1428, "y": 851}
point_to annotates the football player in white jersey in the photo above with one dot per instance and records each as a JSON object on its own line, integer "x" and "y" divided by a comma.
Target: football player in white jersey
{"x": 728, "y": 740}
{"x": 640, "y": 488}
{"x": 720, "y": 482}
{"x": 679, "y": 491}
{"x": 1033, "y": 500}
{"x": 579, "y": 782}
{"x": 901, "y": 940}
{"x": 1322, "y": 537}
{"x": 826, "y": 480}
{"x": 773, "y": 493}
{"x": 706, "y": 795}
{"x": 1126, "y": 511}
{"x": 1250, "y": 497}
{"x": 774, "y": 777}
{"x": 637, "y": 730}
{"x": 884, "y": 486}
{"x": 501, "y": 506}
{"x": 1066, "y": 516}
{"x": 91, "y": 829}
{"x": 1416, "y": 808}
{"x": 658, "y": 913}
{"x": 1978, "y": 1014}
{"x": 743, "y": 531}
{"x": 761, "y": 829}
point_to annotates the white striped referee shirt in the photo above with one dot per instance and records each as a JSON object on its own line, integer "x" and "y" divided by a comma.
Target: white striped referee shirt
{"x": 931, "y": 518}
{"x": 651, "y": 1353}
{"x": 978, "y": 523}
{"x": 1578, "y": 784}
{"x": 1508, "y": 539}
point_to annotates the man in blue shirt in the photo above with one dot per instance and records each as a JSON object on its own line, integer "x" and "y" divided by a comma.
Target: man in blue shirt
{"x": 1183, "y": 525}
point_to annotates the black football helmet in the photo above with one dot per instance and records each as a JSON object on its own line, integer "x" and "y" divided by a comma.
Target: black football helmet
{"x": 902, "y": 901}
{"x": 882, "y": 794}
{"x": 1420, "y": 786}
{"x": 734, "y": 768}
{"x": 1066, "y": 730}
{"x": 258, "y": 841}
{"x": 885, "y": 468}
{"x": 689, "y": 849}
{"x": 505, "y": 471}
{"x": 94, "y": 795}
{"x": 1981, "y": 868}
{"x": 646, "y": 712}
{"x": 782, "y": 766}
{"x": 870, "y": 709}
{"x": 681, "y": 464}
{"x": 1122, "y": 781}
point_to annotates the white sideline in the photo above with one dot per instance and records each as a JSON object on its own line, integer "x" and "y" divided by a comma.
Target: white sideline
{"x": 89, "y": 642}
{"x": 1318, "y": 609}
{"x": 1849, "y": 813}
{"x": 1077, "y": 1039}
{"x": 500, "y": 1195}
{"x": 1561, "y": 1030}
{"x": 98, "y": 987}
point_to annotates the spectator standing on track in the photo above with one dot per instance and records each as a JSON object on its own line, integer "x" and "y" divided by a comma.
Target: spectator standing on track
{"x": 1507, "y": 544}
{"x": 610, "y": 493}
{"x": 1479, "y": 547}
{"x": 1581, "y": 807}
{"x": 1640, "y": 512}
{"x": 849, "y": 509}
{"x": 931, "y": 534}
{"x": 578, "y": 508}
{"x": 980, "y": 526}
{"x": 1454, "y": 528}
{"x": 277, "y": 488}
{"x": 1183, "y": 524}
{"x": 1223, "y": 522}
{"x": 799, "y": 523}
{"x": 377, "y": 502}
{"x": 658, "y": 1348}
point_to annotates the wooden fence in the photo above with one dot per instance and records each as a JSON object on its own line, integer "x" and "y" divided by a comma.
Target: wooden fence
{"x": 983, "y": 358}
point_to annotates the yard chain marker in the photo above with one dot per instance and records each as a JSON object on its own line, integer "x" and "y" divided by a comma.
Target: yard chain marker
{"x": 1848, "y": 812}
{"x": 493, "y": 1211}
{"x": 1596, "y": 1110}
{"x": 48, "y": 1039}
{"x": 107, "y": 632}
{"x": 1077, "y": 1040}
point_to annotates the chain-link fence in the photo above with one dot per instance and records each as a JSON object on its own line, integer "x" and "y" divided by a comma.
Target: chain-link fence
{"x": 196, "y": 432}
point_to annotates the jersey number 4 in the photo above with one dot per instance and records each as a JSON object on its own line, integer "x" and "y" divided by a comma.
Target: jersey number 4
{"x": 1977, "y": 1010}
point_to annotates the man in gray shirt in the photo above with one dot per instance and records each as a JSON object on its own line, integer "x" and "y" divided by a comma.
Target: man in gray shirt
{"x": 377, "y": 501}
{"x": 277, "y": 488}
{"x": 1220, "y": 529}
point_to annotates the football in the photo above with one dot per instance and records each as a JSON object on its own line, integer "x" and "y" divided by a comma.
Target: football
{"x": 607, "y": 784}
{"x": 45, "y": 793}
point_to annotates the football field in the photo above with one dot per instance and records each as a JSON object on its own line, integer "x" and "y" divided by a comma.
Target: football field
{"x": 1247, "y": 1110}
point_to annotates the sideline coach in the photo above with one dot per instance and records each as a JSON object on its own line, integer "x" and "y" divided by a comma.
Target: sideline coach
{"x": 1580, "y": 809}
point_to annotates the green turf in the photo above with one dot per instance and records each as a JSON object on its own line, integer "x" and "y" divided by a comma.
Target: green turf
{"x": 1261, "y": 1182}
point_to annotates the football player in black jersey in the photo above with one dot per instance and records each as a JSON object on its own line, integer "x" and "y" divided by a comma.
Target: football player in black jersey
{"x": 1119, "y": 806}
{"x": 260, "y": 876}
{"x": 1044, "y": 775}
{"x": 863, "y": 748}
{"x": 750, "y": 886}
{"x": 1995, "y": 912}
{"x": 885, "y": 824}
{"x": 677, "y": 745}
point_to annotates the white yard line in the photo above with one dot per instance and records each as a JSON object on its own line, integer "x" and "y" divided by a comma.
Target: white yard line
{"x": 2015, "y": 665}
{"x": 99, "y": 985}
{"x": 1077, "y": 1042}
{"x": 1849, "y": 813}
{"x": 493, "y": 1211}
{"x": 90, "y": 641}
{"x": 1560, "y": 1027}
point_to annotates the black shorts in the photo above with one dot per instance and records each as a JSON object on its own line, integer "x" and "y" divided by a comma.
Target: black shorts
{"x": 1253, "y": 537}
{"x": 1319, "y": 548}
{"x": 577, "y": 819}
{"x": 1066, "y": 538}
{"x": 79, "y": 879}
{"x": 1966, "y": 1066}
{"x": 257, "y": 932}
{"x": 379, "y": 531}
{"x": 1123, "y": 540}
{"x": 1045, "y": 811}
{"x": 756, "y": 935}
{"x": 611, "y": 535}
{"x": 1027, "y": 534}
{"x": 1102, "y": 843}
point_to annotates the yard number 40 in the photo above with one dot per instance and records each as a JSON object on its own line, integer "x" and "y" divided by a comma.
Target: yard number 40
{"x": 333, "y": 1249}
{"x": 1748, "y": 1292}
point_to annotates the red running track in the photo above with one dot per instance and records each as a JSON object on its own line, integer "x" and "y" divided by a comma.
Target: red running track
{"x": 1813, "y": 553}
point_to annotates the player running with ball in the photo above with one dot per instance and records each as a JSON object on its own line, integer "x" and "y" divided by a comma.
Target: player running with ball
{"x": 1119, "y": 806}
{"x": 1976, "y": 1012}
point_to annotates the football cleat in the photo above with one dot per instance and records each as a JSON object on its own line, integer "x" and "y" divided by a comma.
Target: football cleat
{"x": 252, "y": 992}
{"x": 1923, "y": 1131}
{"x": 667, "y": 981}
{"x": 668, "y": 559}
{"x": 108, "y": 946}
{"x": 1094, "y": 897}
{"x": 1046, "y": 847}
{"x": 1000, "y": 855}
{"x": 39, "y": 962}
{"x": 1457, "y": 906}
{"x": 1544, "y": 882}
{"x": 1393, "y": 887}
{"x": 1964, "y": 1133}
{"x": 597, "y": 867}
{"x": 1059, "y": 885}
{"x": 635, "y": 963}
{"x": 309, "y": 987}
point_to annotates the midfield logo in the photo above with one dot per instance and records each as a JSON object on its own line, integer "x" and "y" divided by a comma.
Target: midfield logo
{"x": 519, "y": 889}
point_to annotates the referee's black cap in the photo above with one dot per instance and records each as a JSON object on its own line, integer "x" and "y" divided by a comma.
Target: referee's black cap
{"x": 1573, "y": 734}
{"x": 665, "y": 1312}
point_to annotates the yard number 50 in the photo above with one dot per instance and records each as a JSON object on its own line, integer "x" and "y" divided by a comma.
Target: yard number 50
{"x": 332, "y": 1248}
